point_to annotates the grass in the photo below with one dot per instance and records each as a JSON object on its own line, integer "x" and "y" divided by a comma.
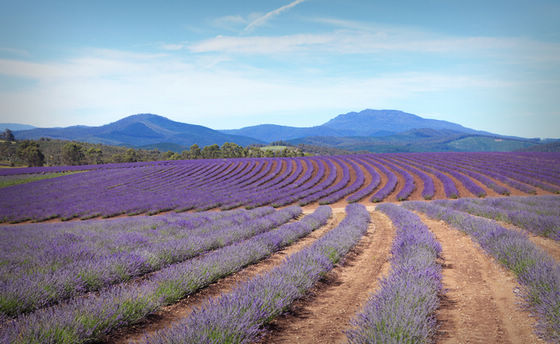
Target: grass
{"x": 6, "y": 181}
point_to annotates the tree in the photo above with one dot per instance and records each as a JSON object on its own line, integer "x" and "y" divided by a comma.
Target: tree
{"x": 232, "y": 150}
{"x": 130, "y": 155}
{"x": 7, "y": 135}
{"x": 211, "y": 152}
{"x": 94, "y": 155}
{"x": 73, "y": 154}
{"x": 29, "y": 152}
{"x": 195, "y": 152}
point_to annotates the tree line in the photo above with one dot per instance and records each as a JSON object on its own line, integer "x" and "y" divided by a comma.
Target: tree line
{"x": 53, "y": 152}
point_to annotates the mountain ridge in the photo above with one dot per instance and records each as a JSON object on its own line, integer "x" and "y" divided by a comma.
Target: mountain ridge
{"x": 367, "y": 123}
{"x": 139, "y": 130}
{"x": 367, "y": 130}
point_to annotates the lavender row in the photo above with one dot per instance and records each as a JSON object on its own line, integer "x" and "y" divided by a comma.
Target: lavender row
{"x": 501, "y": 209}
{"x": 480, "y": 177}
{"x": 537, "y": 272}
{"x": 496, "y": 174}
{"x": 369, "y": 187}
{"x": 90, "y": 318}
{"x": 360, "y": 179}
{"x": 322, "y": 188}
{"x": 465, "y": 180}
{"x": 70, "y": 264}
{"x": 389, "y": 185}
{"x": 237, "y": 317}
{"x": 403, "y": 310}
{"x": 428, "y": 184}
{"x": 313, "y": 184}
{"x": 408, "y": 186}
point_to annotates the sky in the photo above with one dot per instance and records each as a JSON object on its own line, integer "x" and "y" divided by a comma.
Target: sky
{"x": 487, "y": 65}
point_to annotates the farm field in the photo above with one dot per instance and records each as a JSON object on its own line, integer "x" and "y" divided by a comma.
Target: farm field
{"x": 150, "y": 188}
{"x": 376, "y": 248}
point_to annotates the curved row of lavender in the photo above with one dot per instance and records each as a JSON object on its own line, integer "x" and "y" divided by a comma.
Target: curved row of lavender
{"x": 389, "y": 186}
{"x": 408, "y": 186}
{"x": 44, "y": 264}
{"x": 238, "y": 317}
{"x": 403, "y": 310}
{"x": 449, "y": 186}
{"x": 541, "y": 216}
{"x": 155, "y": 187}
{"x": 343, "y": 191}
{"x": 92, "y": 317}
{"x": 368, "y": 187}
{"x": 537, "y": 272}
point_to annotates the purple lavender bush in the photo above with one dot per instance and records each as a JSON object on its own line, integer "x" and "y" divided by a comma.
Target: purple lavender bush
{"x": 238, "y": 317}
{"x": 402, "y": 311}
{"x": 538, "y": 273}
{"x": 90, "y": 318}
{"x": 88, "y": 256}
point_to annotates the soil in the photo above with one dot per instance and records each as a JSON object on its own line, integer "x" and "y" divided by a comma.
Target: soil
{"x": 171, "y": 314}
{"x": 323, "y": 316}
{"x": 481, "y": 304}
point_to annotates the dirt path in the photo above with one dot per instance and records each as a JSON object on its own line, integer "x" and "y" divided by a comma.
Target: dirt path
{"x": 170, "y": 314}
{"x": 326, "y": 313}
{"x": 481, "y": 305}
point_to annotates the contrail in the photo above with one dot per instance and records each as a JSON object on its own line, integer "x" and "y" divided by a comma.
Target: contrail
{"x": 261, "y": 20}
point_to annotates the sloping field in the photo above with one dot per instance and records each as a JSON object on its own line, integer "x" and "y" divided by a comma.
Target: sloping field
{"x": 468, "y": 270}
{"x": 138, "y": 188}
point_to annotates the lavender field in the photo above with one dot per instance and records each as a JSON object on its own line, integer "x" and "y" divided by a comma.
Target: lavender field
{"x": 151, "y": 188}
{"x": 249, "y": 250}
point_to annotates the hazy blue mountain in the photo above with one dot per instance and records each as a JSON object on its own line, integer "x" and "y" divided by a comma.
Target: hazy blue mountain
{"x": 422, "y": 140}
{"x": 139, "y": 130}
{"x": 368, "y": 123}
{"x": 273, "y": 132}
{"x": 547, "y": 146}
{"x": 15, "y": 126}
{"x": 368, "y": 130}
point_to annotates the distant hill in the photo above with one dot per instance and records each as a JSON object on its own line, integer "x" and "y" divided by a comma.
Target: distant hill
{"x": 15, "y": 126}
{"x": 543, "y": 147}
{"x": 143, "y": 130}
{"x": 367, "y": 123}
{"x": 367, "y": 130}
{"x": 421, "y": 140}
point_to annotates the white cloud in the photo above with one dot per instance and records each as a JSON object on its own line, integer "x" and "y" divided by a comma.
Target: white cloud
{"x": 115, "y": 84}
{"x": 269, "y": 15}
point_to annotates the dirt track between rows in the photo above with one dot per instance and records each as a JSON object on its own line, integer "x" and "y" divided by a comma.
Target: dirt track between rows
{"x": 325, "y": 314}
{"x": 173, "y": 313}
{"x": 481, "y": 304}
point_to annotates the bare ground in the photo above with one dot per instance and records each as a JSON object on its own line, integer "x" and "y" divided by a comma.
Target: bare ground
{"x": 170, "y": 314}
{"x": 325, "y": 314}
{"x": 482, "y": 303}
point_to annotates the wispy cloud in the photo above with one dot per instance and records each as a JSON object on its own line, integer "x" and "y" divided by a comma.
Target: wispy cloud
{"x": 344, "y": 42}
{"x": 112, "y": 84}
{"x": 14, "y": 51}
{"x": 269, "y": 15}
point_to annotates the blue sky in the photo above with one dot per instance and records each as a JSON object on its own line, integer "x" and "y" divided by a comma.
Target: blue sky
{"x": 489, "y": 65}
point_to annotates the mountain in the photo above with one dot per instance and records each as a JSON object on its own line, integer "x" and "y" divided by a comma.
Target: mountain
{"x": 367, "y": 123}
{"x": 15, "y": 126}
{"x": 553, "y": 146}
{"x": 273, "y": 132}
{"x": 422, "y": 140}
{"x": 367, "y": 130}
{"x": 142, "y": 130}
